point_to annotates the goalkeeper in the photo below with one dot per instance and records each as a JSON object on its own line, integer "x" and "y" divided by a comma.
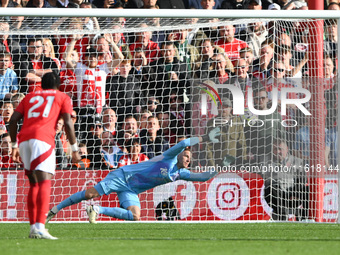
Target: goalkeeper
{"x": 128, "y": 181}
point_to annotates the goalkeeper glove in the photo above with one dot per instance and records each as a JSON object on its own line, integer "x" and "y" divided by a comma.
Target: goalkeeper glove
{"x": 228, "y": 160}
{"x": 211, "y": 136}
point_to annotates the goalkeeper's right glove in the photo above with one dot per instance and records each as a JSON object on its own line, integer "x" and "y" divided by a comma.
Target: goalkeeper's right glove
{"x": 211, "y": 136}
{"x": 228, "y": 160}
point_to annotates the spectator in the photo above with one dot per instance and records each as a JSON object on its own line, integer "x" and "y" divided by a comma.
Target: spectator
{"x": 48, "y": 51}
{"x": 8, "y": 78}
{"x": 331, "y": 38}
{"x": 16, "y": 99}
{"x": 143, "y": 40}
{"x": 168, "y": 73}
{"x": 330, "y": 90}
{"x": 68, "y": 80}
{"x": 165, "y": 130}
{"x": 3, "y": 129}
{"x": 83, "y": 153}
{"x": 221, "y": 69}
{"x": 208, "y": 4}
{"x": 328, "y": 67}
{"x": 165, "y": 4}
{"x": 229, "y": 43}
{"x": 293, "y": 5}
{"x": 61, "y": 145}
{"x": 274, "y": 6}
{"x": 124, "y": 91}
{"x": 82, "y": 149}
{"x": 91, "y": 78}
{"x": 277, "y": 80}
{"x": 261, "y": 69}
{"x": 242, "y": 79}
{"x": 6, "y": 112}
{"x": 248, "y": 55}
{"x": 179, "y": 115}
{"x": 186, "y": 53}
{"x": 134, "y": 155}
{"x": 254, "y": 5}
{"x": 8, "y": 43}
{"x": 286, "y": 191}
{"x": 101, "y": 45}
{"x": 47, "y": 4}
{"x": 285, "y": 55}
{"x": 110, "y": 121}
{"x": 232, "y": 136}
{"x": 103, "y": 3}
{"x": 6, "y": 160}
{"x": 283, "y": 39}
{"x": 89, "y": 23}
{"x": 255, "y": 34}
{"x": 261, "y": 136}
{"x": 120, "y": 40}
{"x": 158, "y": 36}
{"x": 76, "y": 124}
{"x": 32, "y": 66}
{"x": 153, "y": 145}
{"x": 153, "y": 105}
{"x": 140, "y": 66}
{"x": 92, "y": 140}
{"x": 333, "y": 6}
{"x": 149, "y": 3}
{"x": 200, "y": 4}
{"x": 204, "y": 65}
{"x": 40, "y": 21}
{"x": 9, "y": 3}
{"x": 63, "y": 42}
{"x": 234, "y": 4}
{"x": 129, "y": 129}
{"x": 111, "y": 154}
{"x": 142, "y": 119}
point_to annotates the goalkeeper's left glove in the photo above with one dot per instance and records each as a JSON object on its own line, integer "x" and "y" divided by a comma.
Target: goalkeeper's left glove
{"x": 211, "y": 136}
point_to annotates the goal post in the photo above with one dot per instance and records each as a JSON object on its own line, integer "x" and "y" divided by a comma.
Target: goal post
{"x": 188, "y": 92}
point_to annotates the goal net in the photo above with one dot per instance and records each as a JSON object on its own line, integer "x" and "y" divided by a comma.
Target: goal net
{"x": 141, "y": 85}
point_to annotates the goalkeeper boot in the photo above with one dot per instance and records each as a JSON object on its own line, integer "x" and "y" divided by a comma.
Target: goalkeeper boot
{"x": 51, "y": 213}
{"x": 91, "y": 212}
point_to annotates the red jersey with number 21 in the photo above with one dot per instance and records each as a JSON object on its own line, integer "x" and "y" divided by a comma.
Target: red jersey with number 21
{"x": 41, "y": 110}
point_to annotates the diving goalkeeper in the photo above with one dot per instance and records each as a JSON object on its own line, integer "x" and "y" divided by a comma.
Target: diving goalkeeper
{"x": 128, "y": 181}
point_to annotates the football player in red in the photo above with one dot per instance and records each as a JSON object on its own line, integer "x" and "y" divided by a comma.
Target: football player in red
{"x": 41, "y": 110}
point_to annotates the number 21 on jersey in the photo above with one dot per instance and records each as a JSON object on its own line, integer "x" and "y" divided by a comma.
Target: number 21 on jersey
{"x": 38, "y": 101}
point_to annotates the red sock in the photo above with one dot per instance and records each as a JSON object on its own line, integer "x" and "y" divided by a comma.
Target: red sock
{"x": 32, "y": 202}
{"x": 43, "y": 200}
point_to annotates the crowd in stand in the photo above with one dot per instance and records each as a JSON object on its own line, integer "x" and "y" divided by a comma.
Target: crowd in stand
{"x": 139, "y": 85}
{"x": 137, "y": 94}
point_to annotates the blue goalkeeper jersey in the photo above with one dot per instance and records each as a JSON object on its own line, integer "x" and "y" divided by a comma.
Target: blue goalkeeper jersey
{"x": 162, "y": 169}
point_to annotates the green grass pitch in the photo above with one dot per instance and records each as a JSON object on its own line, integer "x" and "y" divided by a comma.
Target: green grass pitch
{"x": 193, "y": 239}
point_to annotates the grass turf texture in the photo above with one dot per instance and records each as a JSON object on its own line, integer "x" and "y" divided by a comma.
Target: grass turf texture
{"x": 149, "y": 238}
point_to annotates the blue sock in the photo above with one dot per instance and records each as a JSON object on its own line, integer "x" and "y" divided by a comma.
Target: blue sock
{"x": 71, "y": 200}
{"x": 116, "y": 212}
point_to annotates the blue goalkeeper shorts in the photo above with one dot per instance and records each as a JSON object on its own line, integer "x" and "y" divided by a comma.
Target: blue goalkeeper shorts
{"x": 115, "y": 182}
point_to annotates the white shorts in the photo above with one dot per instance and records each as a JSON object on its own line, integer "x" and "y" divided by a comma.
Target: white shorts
{"x": 38, "y": 155}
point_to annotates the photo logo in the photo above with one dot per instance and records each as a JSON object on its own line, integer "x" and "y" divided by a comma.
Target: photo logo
{"x": 204, "y": 98}
{"x": 238, "y": 97}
